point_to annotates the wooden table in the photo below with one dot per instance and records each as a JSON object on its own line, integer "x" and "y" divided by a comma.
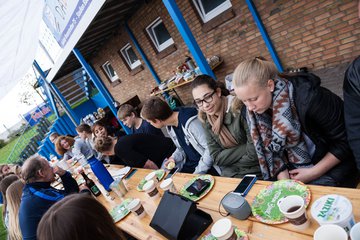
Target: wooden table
{"x": 255, "y": 229}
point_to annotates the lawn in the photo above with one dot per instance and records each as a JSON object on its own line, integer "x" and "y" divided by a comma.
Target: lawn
{"x": 3, "y": 232}
{"x": 6, "y": 150}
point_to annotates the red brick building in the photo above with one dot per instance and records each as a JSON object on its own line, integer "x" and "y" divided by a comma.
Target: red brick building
{"x": 315, "y": 34}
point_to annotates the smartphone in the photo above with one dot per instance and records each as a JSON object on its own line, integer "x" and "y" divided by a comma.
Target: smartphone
{"x": 245, "y": 185}
{"x": 132, "y": 171}
{"x": 172, "y": 172}
{"x": 198, "y": 187}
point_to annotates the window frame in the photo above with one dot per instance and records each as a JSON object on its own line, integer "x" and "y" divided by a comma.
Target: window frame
{"x": 206, "y": 17}
{"x": 151, "y": 33}
{"x": 112, "y": 79}
{"x": 124, "y": 53}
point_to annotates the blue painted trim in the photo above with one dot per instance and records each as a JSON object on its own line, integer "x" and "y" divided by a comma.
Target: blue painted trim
{"x": 66, "y": 104}
{"x": 98, "y": 84}
{"x": 188, "y": 37}
{"x": 264, "y": 34}
{"x": 144, "y": 57}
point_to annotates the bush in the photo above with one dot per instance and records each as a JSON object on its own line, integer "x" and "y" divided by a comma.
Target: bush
{"x": 2, "y": 143}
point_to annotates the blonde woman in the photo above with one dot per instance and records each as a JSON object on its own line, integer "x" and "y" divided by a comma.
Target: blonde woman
{"x": 13, "y": 196}
{"x": 297, "y": 125}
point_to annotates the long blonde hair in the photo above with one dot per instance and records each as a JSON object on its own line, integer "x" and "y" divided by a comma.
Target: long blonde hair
{"x": 13, "y": 196}
{"x": 257, "y": 70}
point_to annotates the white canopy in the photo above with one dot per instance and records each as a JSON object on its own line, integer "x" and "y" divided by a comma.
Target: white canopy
{"x": 19, "y": 34}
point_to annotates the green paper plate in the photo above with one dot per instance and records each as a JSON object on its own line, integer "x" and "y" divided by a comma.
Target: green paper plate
{"x": 239, "y": 233}
{"x": 159, "y": 174}
{"x": 120, "y": 211}
{"x": 186, "y": 194}
{"x": 264, "y": 206}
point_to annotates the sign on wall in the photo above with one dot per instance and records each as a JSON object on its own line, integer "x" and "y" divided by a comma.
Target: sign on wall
{"x": 34, "y": 116}
{"x": 62, "y": 17}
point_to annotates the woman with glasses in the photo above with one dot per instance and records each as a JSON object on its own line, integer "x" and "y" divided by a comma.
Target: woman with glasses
{"x": 227, "y": 134}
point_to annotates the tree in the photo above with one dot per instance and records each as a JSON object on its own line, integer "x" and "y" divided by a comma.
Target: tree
{"x": 27, "y": 89}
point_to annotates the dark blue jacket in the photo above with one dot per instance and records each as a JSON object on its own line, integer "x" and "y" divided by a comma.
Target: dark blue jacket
{"x": 37, "y": 198}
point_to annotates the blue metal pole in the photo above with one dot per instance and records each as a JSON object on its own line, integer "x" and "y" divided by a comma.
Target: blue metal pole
{"x": 188, "y": 37}
{"x": 264, "y": 34}
{"x": 66, "y": 104}
{"x": 50, "y": 97}
{"x": 67, "y": 107}
{"x": 97, "y": 82}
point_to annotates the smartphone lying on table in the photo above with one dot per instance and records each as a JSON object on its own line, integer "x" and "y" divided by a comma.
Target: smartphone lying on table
{"x": 245, "y": 185}
{"x": 198, "y": 187}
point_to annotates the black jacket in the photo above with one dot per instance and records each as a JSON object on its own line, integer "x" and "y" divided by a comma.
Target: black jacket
{"x": 321, "y": 114}
{"x": 352, "y": 107}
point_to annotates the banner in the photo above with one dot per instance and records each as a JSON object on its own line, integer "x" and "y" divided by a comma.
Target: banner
{"x": 34, "y": 116}
{"x": 62, "y": 17}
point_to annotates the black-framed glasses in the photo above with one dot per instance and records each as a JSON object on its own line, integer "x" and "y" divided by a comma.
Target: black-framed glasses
{"x": 207, "y": 99}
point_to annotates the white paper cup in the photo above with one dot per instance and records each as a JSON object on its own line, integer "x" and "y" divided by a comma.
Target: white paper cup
{"x": 152, "y": 176}
{"x": 355, "y": 232}
{"x": 223, "y": 229}
{"x": 168, "y": 184}
{"x": 151, "y": 189}
{"x": 63, "y": 165}
{"x": 330, "y": 232}
{"x": 333, "y": 209}
{"x": 137, "y": 208}
{"x": 293, "y": 208}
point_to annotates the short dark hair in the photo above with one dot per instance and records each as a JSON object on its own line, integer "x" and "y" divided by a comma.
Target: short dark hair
{"x": 155, "y": 108}
{"x": 84, "y": 128}
{"x": 80, "y": 217}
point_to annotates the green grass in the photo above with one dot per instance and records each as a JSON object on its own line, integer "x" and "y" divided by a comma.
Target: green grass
{"x": 6, "y": 150}
{"x": 3, "y": 231}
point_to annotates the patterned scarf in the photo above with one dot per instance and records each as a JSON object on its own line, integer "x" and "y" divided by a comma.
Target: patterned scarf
{"x": 277, "y": 136}
{"x": 218, "y": 127}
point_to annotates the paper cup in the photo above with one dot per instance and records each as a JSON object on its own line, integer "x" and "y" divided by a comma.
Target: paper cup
{"x": 63, "y": 164}
{"x": 293, "y": 208}
{"x": 355, "y": 232}
{"x": 152, "y": 176}
{"x": 223, "y": 230}
{"x": 168, "y": 184}
{"x": 137, "y": 208}
{"x": 333, "y": 209}
{"x": 330, "y": 232}
{"x": 151, "y": 189}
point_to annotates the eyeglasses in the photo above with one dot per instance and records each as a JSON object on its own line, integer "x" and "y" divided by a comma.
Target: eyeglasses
{"x": 207, "y": 99}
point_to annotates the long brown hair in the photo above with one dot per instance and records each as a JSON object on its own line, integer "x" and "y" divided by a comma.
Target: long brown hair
{"x": 78, "y": 217}
{"x": 13, "y": 197}
{"x": 4, "y": 184}
{"x": 59, "y": 149}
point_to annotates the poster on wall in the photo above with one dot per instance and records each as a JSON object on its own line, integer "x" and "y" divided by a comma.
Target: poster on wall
{"x": 62, "y": 17}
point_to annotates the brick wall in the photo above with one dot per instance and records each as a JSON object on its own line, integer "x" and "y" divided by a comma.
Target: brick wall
{"x": 315, "y": 34}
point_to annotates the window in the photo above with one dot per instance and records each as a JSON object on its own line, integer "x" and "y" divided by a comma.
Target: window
{"x": 130, "y": 57}
{"x": 110, "y": 72}
{"x": 159, "y": 35}
{"x": 209, "y": 9}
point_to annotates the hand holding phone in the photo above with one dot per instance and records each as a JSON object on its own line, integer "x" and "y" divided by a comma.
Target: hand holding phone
{"x": 245, "y": 185}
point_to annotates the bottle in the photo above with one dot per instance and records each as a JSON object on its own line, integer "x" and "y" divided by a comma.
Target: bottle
{"x": 101, "y": 173}
{"x": 91, "y": 185}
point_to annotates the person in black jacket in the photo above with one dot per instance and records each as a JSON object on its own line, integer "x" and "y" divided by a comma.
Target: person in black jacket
{"x": 297, "y": 126}
{"x": 137, "y": 150}
{"x": 352, "y": 107}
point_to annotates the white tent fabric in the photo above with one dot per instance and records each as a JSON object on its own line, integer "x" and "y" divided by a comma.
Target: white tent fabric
{"x": 19, "y": 34}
